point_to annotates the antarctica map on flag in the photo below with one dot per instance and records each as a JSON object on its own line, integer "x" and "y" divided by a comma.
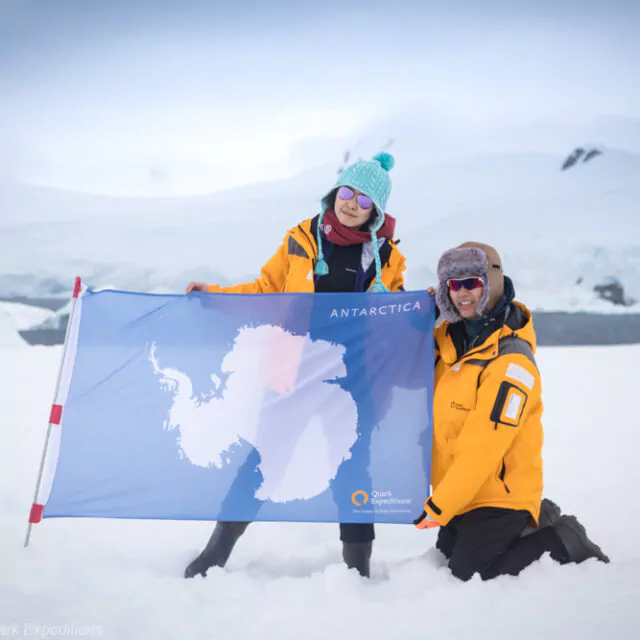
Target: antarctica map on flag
{"x": 317, "y": 419}
{"x": 289, "y": 407}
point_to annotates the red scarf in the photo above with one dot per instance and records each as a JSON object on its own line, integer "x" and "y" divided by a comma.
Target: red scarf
{"x": 334, "y": 231}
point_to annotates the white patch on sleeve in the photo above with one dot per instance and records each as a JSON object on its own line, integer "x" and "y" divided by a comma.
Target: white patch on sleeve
{"x": 513, "y": 407}
{"x": 520, "y": 374}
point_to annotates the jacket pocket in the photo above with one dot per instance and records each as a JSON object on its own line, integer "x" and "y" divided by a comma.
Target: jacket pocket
{"x": 502, "y": 474}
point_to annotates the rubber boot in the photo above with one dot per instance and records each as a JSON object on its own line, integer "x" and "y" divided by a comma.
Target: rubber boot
{"x": 576, "y": 542}
{"x": 357, "y": 555}
{"x": 218, "y": 549}
{"x": 549, "y": 515}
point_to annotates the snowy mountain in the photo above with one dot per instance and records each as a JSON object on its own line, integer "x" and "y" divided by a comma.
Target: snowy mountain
{"x": 560, "y": 232}
{"x": 15, "y": 317}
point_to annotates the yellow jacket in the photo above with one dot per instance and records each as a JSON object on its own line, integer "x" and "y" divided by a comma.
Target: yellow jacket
{"x": 487, "y": 431}
{"x": 291, "y": 268}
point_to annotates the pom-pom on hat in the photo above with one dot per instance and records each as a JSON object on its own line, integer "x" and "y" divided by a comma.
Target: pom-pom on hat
{"x": 370, "y": 177}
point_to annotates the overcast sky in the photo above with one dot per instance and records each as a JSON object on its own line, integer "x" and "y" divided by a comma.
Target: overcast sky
{"x": 122, "y": 96}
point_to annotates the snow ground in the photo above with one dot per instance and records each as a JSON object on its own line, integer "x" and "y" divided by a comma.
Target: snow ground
{"x": 123, "y": 579}
{"x": 15, "y": 317}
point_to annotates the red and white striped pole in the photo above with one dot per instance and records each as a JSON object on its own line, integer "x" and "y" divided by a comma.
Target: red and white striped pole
{"x": 55, "y": 418}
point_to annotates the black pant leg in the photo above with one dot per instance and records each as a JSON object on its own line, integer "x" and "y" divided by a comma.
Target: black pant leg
{"x": 356, "y": 532}
{"x": 525, "y": 551}
{"x": 482, "y": 537}
{"x": 447, "y": 538}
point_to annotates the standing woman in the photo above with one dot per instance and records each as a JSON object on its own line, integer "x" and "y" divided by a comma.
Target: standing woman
{"x": 487, "y": 437}
{"x": 348, "y": 247}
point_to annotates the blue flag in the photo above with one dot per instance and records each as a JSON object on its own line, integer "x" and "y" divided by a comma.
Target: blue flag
{"x": 207, "y": 406}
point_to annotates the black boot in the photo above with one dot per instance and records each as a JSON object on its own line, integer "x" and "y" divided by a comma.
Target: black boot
{"x": 576, "y": 542}
{"x": 218, "y": 549}
{"x": 549, "y": 515}
{"x": 357, "y": 555}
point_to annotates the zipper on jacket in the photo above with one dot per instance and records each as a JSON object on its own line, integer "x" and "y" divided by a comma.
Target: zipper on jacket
{"x": 503, "y": 471}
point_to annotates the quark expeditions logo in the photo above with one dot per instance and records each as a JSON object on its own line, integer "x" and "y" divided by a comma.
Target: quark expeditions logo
{"x": 360, "y": 498}
{"x": 377, "y": 499}
{"x": 380, "y": 310}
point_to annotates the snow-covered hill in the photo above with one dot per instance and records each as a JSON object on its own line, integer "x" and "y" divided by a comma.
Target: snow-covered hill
{"x": 15, "y": 317}
{"x": 560, "y": 232}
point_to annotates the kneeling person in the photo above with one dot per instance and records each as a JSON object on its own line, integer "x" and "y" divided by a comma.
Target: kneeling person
{"x": 487, "y": 441}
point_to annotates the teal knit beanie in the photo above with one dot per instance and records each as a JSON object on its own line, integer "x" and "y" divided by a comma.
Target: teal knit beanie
{"x": 370, "y": 177}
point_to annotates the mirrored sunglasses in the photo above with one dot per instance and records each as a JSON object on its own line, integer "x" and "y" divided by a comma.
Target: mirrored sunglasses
{"x": 363, "y": 201}
{"x": 455, "y": 284}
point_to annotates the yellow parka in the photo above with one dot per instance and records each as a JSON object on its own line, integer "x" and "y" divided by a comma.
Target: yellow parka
{"x": 487, "y": 431}
{"x": 291, "y": 268}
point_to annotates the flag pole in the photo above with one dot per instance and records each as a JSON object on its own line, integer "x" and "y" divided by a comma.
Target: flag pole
{"x": 55, "y": 417}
